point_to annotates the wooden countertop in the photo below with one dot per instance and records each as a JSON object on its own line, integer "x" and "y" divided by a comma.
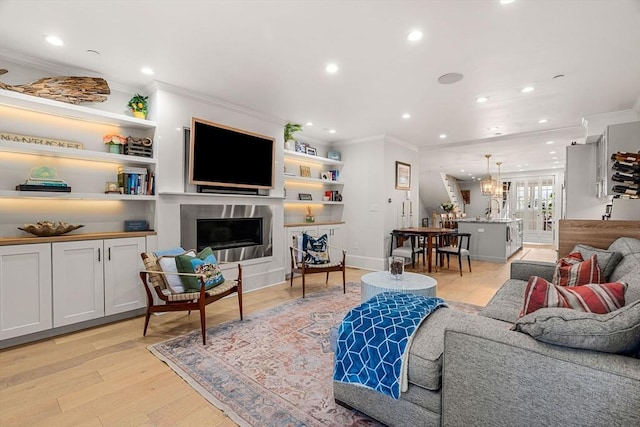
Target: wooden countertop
{"x": 305, "y": 224}
{"x": 6, "y": 241}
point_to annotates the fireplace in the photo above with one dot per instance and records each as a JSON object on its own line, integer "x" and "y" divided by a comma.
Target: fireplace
{"x": 234, "y": 232}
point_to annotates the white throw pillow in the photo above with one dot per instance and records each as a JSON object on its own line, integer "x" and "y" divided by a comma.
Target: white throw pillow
{"x": 168, "y": 265}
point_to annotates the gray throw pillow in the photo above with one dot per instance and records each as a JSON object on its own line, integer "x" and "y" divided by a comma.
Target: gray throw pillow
{"x": 615, "y": 332}
{"x": 632, "y": 279}
{"x": 607, "y": 259}
{"x": 630, "y": 250}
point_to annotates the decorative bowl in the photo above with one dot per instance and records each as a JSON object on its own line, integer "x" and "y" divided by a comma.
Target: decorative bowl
{"x": 48, "y": 228}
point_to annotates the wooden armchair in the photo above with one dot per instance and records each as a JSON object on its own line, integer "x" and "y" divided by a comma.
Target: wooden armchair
{"x": 299, "y": 266}
{"x": 154, "y": 277}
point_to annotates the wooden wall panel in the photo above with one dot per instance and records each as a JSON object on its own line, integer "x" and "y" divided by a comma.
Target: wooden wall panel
{"x": 596, "y": 233}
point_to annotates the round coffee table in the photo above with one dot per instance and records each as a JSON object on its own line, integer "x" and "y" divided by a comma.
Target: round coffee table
{"x": 381, "y": 281}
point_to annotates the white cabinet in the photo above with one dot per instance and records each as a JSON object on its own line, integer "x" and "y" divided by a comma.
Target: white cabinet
{"x": 96, "y": 278}
{"x": 25, "y": 289}
{"x": 123, "y": 290}
{"x": 78, "y": 281}
{"x": 40, "y": 132}
{"x": 334, "y": 232}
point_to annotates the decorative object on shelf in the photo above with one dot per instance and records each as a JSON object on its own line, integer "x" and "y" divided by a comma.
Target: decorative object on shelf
{"x": 403, "y": 176}
{"x": 309, "y": 217}
{"x": 39, "y": 141}
{"x": 301, "y": 147}
{"x": 138, "y": 106}
{"x": 448, "y": 207}
{"x": 326, "y": 175}
{"x": 305, "y": 171}
{"x": 396, "y": 267}
{"x": 311, "y": 151}
{"x": 304, "y": 196}
{"x": 334, "y": 155}
{"x": 48, "y": 228}
{"x": 488, "y": 184}
{"x": 136, "y": 225}
{"x": 72, "y": 90}
{"x": 289, "y": 130}
{"x": 114, "y": 142}
{"x": 43, "y": 178}
{"x": 142, "y": 147}
{"x": 111, "y": 188}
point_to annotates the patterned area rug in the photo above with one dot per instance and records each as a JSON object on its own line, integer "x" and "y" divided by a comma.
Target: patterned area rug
{"x": 274, "y": 368}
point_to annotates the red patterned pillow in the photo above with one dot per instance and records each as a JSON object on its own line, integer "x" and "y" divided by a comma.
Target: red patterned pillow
{"x": 573, "y": 271}
{"x": 598, "y": 298}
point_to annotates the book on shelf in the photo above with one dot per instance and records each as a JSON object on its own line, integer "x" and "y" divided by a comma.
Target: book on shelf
{"x": 132, "y": 169}
{"x": 136, "y": 183}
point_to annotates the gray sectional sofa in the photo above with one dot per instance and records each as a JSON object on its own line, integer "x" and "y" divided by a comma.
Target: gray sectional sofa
{"x": 475, "y": 370}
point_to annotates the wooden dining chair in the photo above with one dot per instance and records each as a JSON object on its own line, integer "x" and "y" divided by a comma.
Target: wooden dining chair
{"x": 457, "y": 244}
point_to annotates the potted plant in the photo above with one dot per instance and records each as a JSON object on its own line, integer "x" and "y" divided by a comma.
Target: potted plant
{"x": 114, "y": 142}
{"x": 289, "y": 130}
{"x": 447, "y": 207}
{"x": 138, "y": 105}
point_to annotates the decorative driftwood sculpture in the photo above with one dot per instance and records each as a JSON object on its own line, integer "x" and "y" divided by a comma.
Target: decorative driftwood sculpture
{"x": 48, "y": 228}
{"x": 72, "y": 90}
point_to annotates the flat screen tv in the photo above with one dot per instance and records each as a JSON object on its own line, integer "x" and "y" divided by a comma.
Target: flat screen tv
{"x": 222, "y": 156}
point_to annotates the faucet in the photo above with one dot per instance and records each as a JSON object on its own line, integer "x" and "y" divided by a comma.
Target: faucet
{"x": 490, "y": 209}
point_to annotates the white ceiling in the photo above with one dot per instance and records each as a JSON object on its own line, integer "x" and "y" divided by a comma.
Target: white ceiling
{"x": 270, "y": 56}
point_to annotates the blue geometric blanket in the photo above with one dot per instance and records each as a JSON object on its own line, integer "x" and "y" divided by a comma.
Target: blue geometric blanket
{"x": 373, "y": 337}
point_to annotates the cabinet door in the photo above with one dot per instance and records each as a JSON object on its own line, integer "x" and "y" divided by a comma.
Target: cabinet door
{"x": 335, "y": 234}
{"x": 25, "y": 289}
{"x": 123, "y": 289}
{"x": 78, "y": 290}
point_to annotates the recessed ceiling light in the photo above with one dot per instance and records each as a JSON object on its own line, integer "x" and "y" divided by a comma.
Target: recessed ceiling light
{"x": 461, "y": 170}
{"x": 506, "y": 1}
{"x": 332, "y": 131}
{"x": 527, "y": 89}
{"x": 178, "y": 129}
{"x": 481, "y": 99}
{"x": 554, "y": 158}
{"x": 552, "y": 152}
{"x": 332, "y": 68}
{"x": 449, "y": 78}
{"x": 54, "y": 40}
{"x": 549, "y": 142}
{"x": 541, "y": 121}
{"x": 556, "y": 163}
{"x": 519, "y": 166}
{"x": 146, "y": 70}
{"x": 308, "y": 124}
{"x": 493, "y": 129}
{"x": 443, "y": 135}
{"x": 414, "y": 35}
{"x": 406, "y": 116}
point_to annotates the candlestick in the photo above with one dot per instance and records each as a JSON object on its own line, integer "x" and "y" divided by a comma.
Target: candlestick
{"x": 402, "y": 208}
{"x": 410, "y": 208}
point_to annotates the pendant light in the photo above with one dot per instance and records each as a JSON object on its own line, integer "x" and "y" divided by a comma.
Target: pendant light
{"x": 497, "y": 192}
{"x": 487, "y": 185}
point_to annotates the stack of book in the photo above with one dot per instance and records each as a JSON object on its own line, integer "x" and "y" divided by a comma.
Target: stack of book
{"x": 133, "y": 180}
{"x": 44, "y": 184}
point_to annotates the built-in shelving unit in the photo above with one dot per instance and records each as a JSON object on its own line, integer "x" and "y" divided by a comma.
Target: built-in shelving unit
{"x": 87, "y": 170}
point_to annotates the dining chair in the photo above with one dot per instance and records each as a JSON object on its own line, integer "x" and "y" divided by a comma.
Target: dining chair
{"x": 407, "y": 246}
{"x": 457, "y": 245}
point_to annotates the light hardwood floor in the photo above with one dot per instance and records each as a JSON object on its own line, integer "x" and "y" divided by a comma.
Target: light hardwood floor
{"x": 106, "y": 377}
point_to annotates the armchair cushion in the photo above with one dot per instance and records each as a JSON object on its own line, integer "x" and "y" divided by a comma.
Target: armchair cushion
{"x": 203, "y": 263}
{"x": 615, "y": 332}
{"x": 315, "y": 249}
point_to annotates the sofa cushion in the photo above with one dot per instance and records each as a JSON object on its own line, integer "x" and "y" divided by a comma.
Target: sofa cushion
{"x": 615, "y": 332}
{"x": 572, "y": 270}
{"x": 630, "y": 250}
{"x": 506, "y": 304}
{"x": 632, "y": 279}
{"x": 594, "y": 297}
{"x": 607, "y": 260}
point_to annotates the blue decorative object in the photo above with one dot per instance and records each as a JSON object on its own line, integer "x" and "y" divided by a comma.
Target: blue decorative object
{"x": 333, "y": 155}
{"x": 373, "y": 337}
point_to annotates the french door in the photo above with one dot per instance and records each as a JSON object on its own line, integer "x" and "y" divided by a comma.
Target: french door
{"x": 533, "y": 200}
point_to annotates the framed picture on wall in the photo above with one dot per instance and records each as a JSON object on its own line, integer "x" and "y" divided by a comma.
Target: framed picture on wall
{"x": 403, "y": 176}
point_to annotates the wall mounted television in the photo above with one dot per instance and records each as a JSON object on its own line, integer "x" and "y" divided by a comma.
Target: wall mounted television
{"x": 222, "y": 156}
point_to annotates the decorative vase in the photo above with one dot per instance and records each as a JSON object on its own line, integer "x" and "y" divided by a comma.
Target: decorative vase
{"x": 114, "y": 148}
{"x": 139, "y": 114}
{"x": 288, "y": 145}
{"x": 396, "y": 266}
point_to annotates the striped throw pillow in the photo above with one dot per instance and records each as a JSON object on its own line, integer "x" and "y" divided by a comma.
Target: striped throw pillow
{"x": 598, "y": 298}
{"x": 572, "y": 270}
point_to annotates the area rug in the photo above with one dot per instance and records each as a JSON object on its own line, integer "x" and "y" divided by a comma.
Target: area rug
{"x": 274, "y": 368}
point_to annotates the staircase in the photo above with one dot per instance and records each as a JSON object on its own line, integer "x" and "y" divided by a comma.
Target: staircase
{"x": 453, "y": 191}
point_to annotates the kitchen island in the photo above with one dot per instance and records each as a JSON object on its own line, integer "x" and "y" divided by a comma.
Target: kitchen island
{"x": 493, "y": 240}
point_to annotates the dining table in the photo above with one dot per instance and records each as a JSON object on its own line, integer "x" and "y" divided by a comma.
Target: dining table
{"x": 428, "y": 233}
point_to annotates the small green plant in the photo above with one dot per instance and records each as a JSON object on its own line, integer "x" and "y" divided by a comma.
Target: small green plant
{"x": 290, "y": 129}
{"x": 447, "y": 206}
{"x": 138, "y": 103}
